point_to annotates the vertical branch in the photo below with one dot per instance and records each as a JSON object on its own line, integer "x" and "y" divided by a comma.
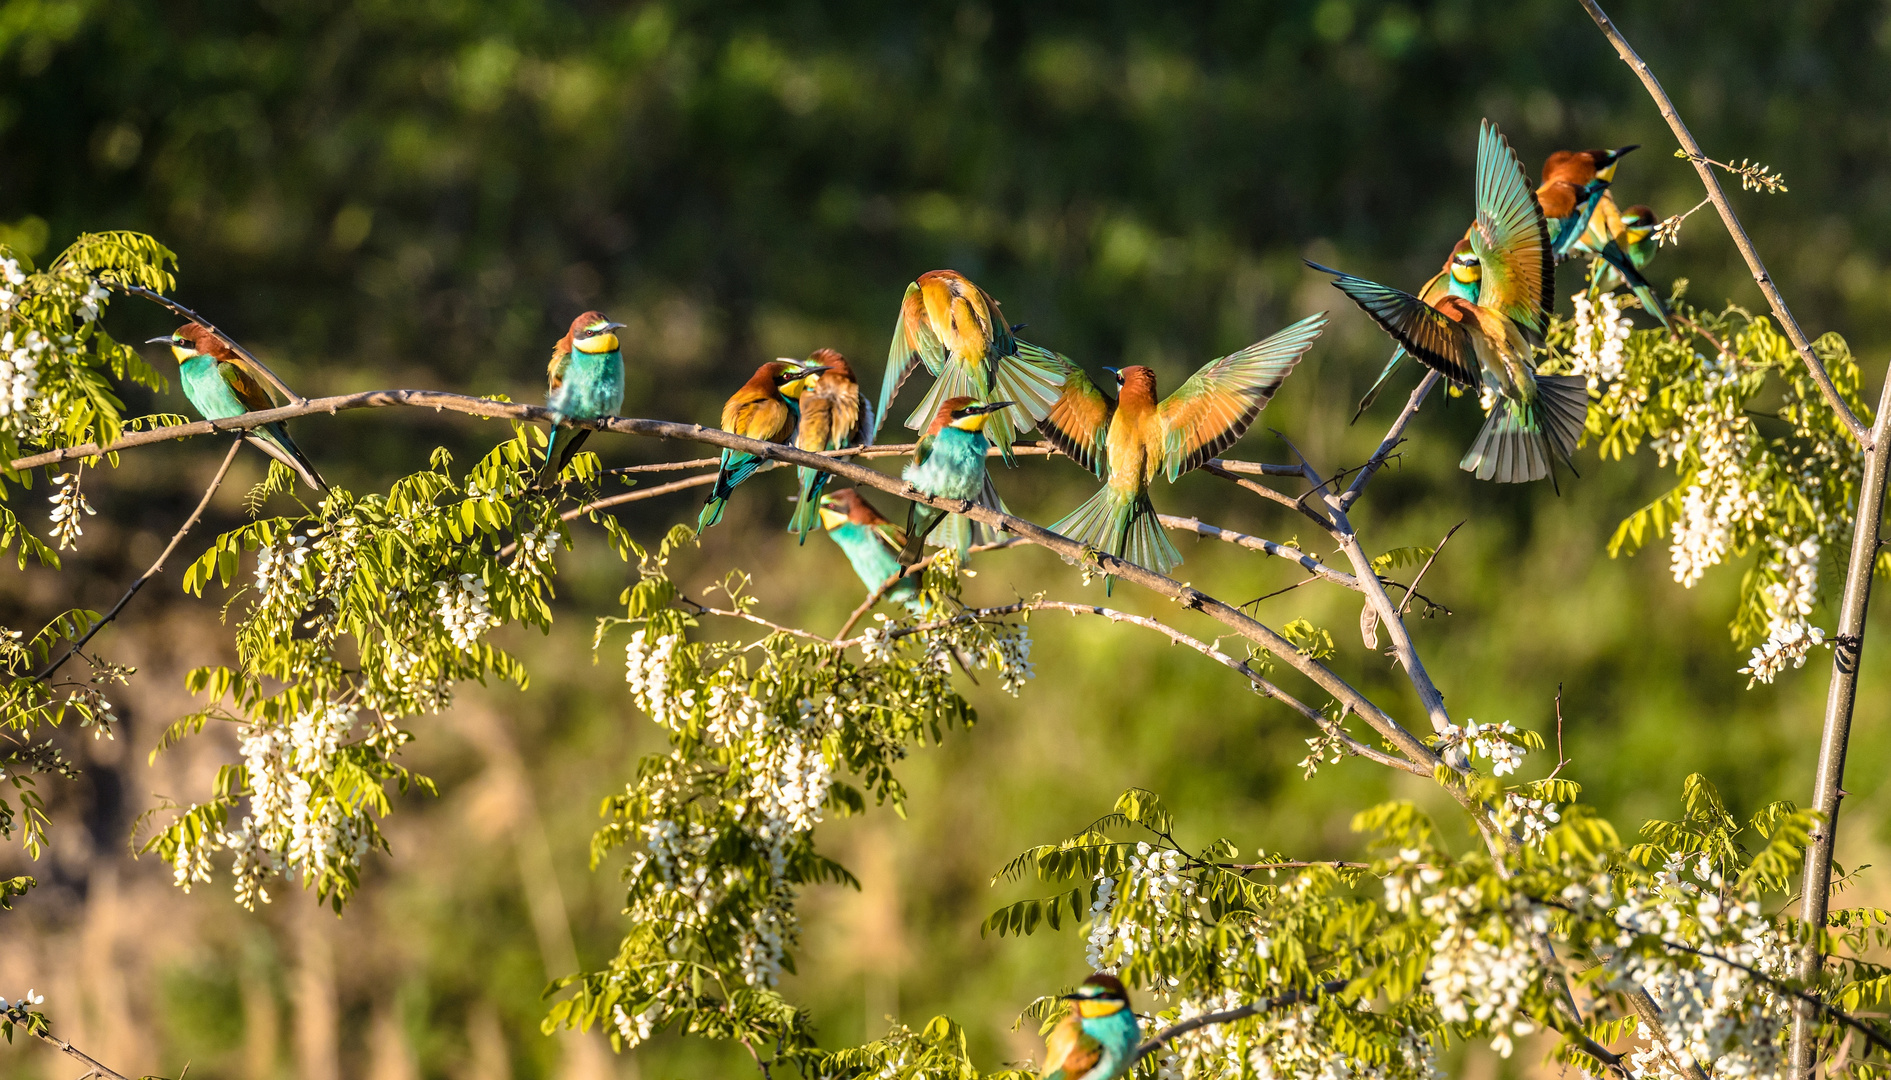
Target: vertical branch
{"x": 1741, "y": 240}
{"x": 1841, "y": 695}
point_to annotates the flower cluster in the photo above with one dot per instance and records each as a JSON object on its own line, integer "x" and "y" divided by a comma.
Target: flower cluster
{"x": 68, "y": 504}
{"x": 1601, "y": 339}
{"x": 1153, "y": 879}
{"x": 1789, "y": 597}
{"x": 1482, "y": 967}
{"x": 279, "y": 571}
{"x": 1286, "y": 1044}
{"x": 464, "y": 610}
{"x": 20, "y": 360}
{"x": 1500, "y": 744}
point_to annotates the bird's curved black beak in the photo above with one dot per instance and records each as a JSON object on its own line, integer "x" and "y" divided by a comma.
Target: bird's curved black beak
{"x": 611, "y": 326}
{"x": 990, "y": 407}
{"x": 1114, "y": 370}
{"x": 165, "y": 340}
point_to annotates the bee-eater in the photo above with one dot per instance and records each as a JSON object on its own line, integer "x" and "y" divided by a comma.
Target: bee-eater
{"x": 834, "y": 415}
{"x": 762, "y": 409}
{"x": 1573, "y": 183}
{"x": 219, "y": 384}
{"x": 948, "y": 463}
{"x": 1458, "y": 278}
{"x": 956, "y": 329}
{"x": 1533, "y": 418}
{"x": 1097, "y": 1039}
{"x": 1128, "y": 441}
{"x": 870, "y": 542}
{"x": 1622, "y": 243}
{"x": 586, "y": 380}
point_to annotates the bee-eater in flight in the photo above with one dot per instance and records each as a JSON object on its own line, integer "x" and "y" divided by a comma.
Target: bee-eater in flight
{"x": 1097, "y": 1039}
{"x": 762, "y": 409}
{"x": 219, "y": 384}
{"x": 1533, "y": 418}
{"x": 1573, "y": 184}
{"x": 1622, "y": 242}
{"x": 948, "y": 463}
{"x": 1458, "y": 278}
{"x": 871, "y": 543}
{"x": 1130, "y": 440}
{"x": 956, "y": 329}
{"x": 586, "y": 380}
{"x": 834, "y": 415}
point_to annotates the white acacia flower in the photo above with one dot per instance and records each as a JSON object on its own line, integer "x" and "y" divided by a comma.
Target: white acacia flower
{"x": 464, "y": 610}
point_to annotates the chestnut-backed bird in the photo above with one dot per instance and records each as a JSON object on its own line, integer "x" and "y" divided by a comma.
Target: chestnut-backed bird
{"x": 1491, "y": 343}
{"x": 220, "y": 385}
{"x": 949, "y": 463}
{"x": 1621, "y": 243}
{"x": 1130, "y": 440}
{"x": 586, "y": 381}
{"x": 957, "y": 331}
{"x": 834, "y": 415}
{"x": 762, "y": 409}
{"x": 870, "y": 542}
{"x": 1097, "y": 1038}
{"x": 1572, "y": 187}
{"x": 1458, "y": 278}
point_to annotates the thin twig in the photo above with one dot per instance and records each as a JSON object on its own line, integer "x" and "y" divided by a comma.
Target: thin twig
{"x": 1412, "y": 590}
{"x": 911, "y": 573}
{"x": 1393, "y": 436}
{"x": 1256, "y": 543}
{"x": 1705, "y": 167}
{"x": 158, "y": 298}
{"x": 1242, "y": 1012}
{"x": 155, "y": 568}
{"x": 44, "y": 1033}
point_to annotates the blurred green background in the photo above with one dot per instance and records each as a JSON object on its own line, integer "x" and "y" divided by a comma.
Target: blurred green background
{"x": 424, "y": 192}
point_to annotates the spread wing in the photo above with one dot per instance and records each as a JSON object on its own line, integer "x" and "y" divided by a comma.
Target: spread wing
{"x": 1425, "y": 332}
{"x": 555, "y": 371}
{"x": 1214, "y": 407}
{"x": 1511, "y": 238}
{"x": 1078, "y": 423}
{"x": 913, "y": 343}
{"x": 248, "y": 389}
{"x": 1069, "y": 1053}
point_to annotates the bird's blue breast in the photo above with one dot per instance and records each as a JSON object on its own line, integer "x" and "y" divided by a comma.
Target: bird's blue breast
{"x": 208, "y": 392}
{"x": 955, "y": 469}
{"x": 593, "y": 386}
{"x": 1119, "y": 1033}
{"x": 871, "y": 557}
{"x": 1463, "y": 290}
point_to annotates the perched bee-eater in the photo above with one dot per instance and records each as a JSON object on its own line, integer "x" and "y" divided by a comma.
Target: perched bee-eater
{"x": 957, "y": 330}
{"x": 1097, "y": 1039}
{"x": 1458, "y": 278}
{"x": 1533, "y": 418}
{"x": 762, "y": 409}
{"x": 948, "y": 463}
{"x": 871, "y": 543}
{"x": 219, "y": 384}
{"x": 586, "y": 380}
{"x": 1622, "y": 243}
{"x": 834, "y": 415}
{"x": 1128, "y": 441}
{"x": 1573, "y": 183}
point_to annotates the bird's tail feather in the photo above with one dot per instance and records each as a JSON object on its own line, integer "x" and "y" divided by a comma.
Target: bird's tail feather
{"x": 920, "y": 520}
{"x": 1033, "y": 377}
{"x": 807, "y": 512}
{"x": 274, "y": 440}
{"x": 1372, "y": 395}
{"x": 736, "y": 467}
{"x": 961, "y": 533}
{"x": 564, "y": 456}
{"x": 1520, "y": 442}
{"x": 1126, "y": 527}
{"x": 1617, "y": 258}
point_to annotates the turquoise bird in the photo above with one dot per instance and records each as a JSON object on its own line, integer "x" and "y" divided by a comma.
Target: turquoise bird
{"x": 764, "y": 409}
{"x": 1622, "y": 242}
{"x": 870, "y": 542}
{"x": 957, "y": 331}
{"x": 1490, "y": 344}
{"x": 1097, "y": 1039}
{"x": 1574, "y": 182}
{"x": 1459, "y": 278}
{"x": 834, "y": 415}
{"x": 948, "y": 463}
{"x": 586, "y": 377}
{"x": 1127, "y": 442}
{"x": 219, "y": 384}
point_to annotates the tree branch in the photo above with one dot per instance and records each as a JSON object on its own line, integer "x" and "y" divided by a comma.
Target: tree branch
{"x": 154, "y": 569}
{"x": 1227, "y": 1016}
{"x": 1741, "y": 240}
{"x": 912, "y": 572}
{"x": 38, "y": 1025}
{"x": 1393, "y": 436}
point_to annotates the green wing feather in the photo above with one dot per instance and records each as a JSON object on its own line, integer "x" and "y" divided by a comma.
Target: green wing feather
{"x": 1511, "y": 237}
{"x": 555, "y": 370}
{"x": 1423, "y": 330}
{"x": 1216, "y": 405}
{"x": 913, "y": 343}
{"x": 248, "y": 389}
{"x": 1078, "y": 423}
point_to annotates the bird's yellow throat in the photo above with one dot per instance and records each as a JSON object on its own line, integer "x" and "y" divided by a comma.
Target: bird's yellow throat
{"x": 975, "y": 422}
{"x": 597, "y": 343}
{"x": 182, "y": 353}
{"x": 1090, "y": 1010}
